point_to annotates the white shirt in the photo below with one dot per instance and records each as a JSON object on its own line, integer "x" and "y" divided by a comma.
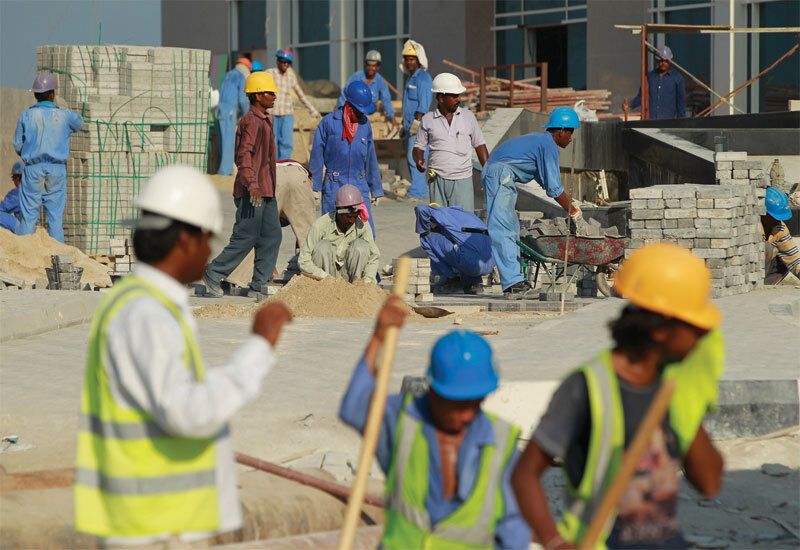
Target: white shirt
{"x": 146, "y": 370}
{"x": 450, "y": 143}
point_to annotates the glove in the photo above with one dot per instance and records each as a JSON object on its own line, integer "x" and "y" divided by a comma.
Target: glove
{"x": 578, "y": 225}
{"x": 414, "y": 128}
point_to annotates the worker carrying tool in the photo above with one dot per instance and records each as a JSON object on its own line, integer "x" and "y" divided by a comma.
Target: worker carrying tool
{"x": 450, "y": 133}
{"x": 381, "y": 100}
{"x": 9, "y": 206}
{"x": 666, "y": 89}
{"x": 41, "y": 139}
{"x": 343, "y": 145}
{"x": 782, "y": 255}
{"x": 458, "y": 244}
{"x": 417, "y": 97}
{"x": 446, "y": 460}
{"x": 340, "y": 243}
{"x": 524, "y": 159}
{"x": 232, "y": 105}
{"x": 154, "y": 453}
{"x": 669, "y": 330}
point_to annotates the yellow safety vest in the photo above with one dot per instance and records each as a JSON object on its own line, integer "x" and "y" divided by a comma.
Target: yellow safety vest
{"x": 132, "y": 478}
{"x": 472, "y": 525}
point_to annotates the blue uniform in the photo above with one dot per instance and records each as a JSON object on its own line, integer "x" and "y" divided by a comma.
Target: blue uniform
{"x": 9, "y": 210}
{"x": 511, "y": 530}
{"x": 456, "y": 241}
{"x": 378, "y": 88}
{"x": 233, "y": 103}
{"x": 355, "y": 163}
{"x": 417, "y": 98}
{"x": 667, "y": 95}
{"x": 518, "y": 160}
{"x": 41, "y": 139}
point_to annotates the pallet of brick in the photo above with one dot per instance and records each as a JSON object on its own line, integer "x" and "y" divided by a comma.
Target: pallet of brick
{"x": 419, "y": 280}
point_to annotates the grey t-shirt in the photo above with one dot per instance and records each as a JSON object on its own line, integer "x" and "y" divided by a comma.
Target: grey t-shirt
{"x": 647, "y": 513}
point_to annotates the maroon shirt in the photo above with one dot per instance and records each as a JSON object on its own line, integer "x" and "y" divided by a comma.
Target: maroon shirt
{"x": 255, "y": 155}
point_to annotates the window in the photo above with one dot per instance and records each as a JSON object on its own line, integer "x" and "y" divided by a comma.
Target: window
{"x": 252, "y": 15}
{"x": 781, "y": 84}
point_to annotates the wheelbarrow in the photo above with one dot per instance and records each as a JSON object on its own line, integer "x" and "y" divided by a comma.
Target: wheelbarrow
{"x": 599, "y": 256}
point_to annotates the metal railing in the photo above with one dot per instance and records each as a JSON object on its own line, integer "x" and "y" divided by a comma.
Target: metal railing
{"x": 542, "y": 78}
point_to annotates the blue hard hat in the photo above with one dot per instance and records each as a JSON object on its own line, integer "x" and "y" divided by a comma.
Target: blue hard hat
{"x": 16, "y": 170}
{"x": 358, "y": 95}
{"x": 778, "y": 204}
{"x": 285, "y": 54}
{"x": 563, "y": 117}
{"x": 256, "y": 66}
{"x": 462, "y": 367}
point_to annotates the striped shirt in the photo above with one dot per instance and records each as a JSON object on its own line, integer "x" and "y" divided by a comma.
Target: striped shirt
{"x": 786, "y": 249}
{"x": 287, "y": 83}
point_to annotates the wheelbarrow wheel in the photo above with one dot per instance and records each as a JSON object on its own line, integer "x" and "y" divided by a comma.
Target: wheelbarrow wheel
{"x": 604, "y": 277}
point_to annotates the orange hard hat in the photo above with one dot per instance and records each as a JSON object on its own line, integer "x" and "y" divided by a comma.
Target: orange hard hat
{"x": 667, "y": 279}
{"x": 246, "y": 62}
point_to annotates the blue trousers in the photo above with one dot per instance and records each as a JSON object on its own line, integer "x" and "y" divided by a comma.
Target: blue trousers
{"x": 419, "y": 180}
{"x": 284, "y": 136}
{"x": 8, "y": 221}
{"x": 448, "y": 261}
{"x": 43, "y": 185}
{"x": 226, "y": 114}
{"x": 329, "y": 190}
{"x": 502, "y": 221}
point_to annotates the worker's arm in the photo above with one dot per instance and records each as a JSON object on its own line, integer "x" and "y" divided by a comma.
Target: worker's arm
{"x": 680, "y": 96}
{"x": 19, "y": 134}
{"x": 10, "y": 202}
{"x": 420, "y": 144}
{"x": 386, "y": 100}
{"x": 244, "y": 154}
{"x": 483, "y": 154}
{"x": 75, "y": 121}
{"x": 244, "y": 103}
{"x": 424, "y": 96}
{"x": 299, "y": 91}
{"x": 317, "y": 159}
{"x": 304, "y": 260}
{"x": 478, "y": 141}
{"x": 371, "y": 269}
{"x": 373, "y": 170}
{"x": 703, "y": 464}
{"x": 512, "y": 531}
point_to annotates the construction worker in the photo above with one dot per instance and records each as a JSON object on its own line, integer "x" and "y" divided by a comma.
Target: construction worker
{"x": 416, "y": 102}
{"x": 340, "y": 243}
{"x": 343, "y": 145}
{"x": 154, "y": 453}
{"x": 377, "y": 86}
{"x": 524, "y": 159}
{"x": 668, "y": 330}
{"x": 257, "y": 223}
{"x": 451, "y": 133}
{"x": 232, "y": 104}
{"x": 41, "y": 139}
{"x": 782, "y": 254}
{"x": 666, "y": 89}
{"x": 283, "y": 111}
{"x": 9, "y": 206}
{"x": 257, "y": 66}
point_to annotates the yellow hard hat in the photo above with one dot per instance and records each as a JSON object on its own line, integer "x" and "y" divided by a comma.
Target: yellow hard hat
{"x": 409, "y": 49}
{"x": 670, "y": 280}
{"x": 260, "y": 81}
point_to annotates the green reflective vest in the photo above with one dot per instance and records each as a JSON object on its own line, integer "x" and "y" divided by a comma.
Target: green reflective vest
{"x": 472, "y": 525}
{"x": 133, "y": 479}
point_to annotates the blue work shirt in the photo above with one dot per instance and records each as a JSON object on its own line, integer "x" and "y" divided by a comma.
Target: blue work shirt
{"x": 667, "y": 95}
{"x": 10, "y": 202}
{"x": 531, "y": 157}
{"x": 417, "y": 96}
{"x": 355, "y": 163}
{"x": 231, "y": 92}
{"x": 378, "y": 88}
{"x": 42, "y": 134}
{"x": 512, "y": 531}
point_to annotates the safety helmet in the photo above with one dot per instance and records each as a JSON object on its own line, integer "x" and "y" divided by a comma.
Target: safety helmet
{"x": 257, "y": 66}
{"x": 184, "y": 194}
{"x": 664, "y": 53}
{"x": 563, "y": 117}
{"x": 462, "y": 366}
{"x": 16, "y": 170}
{"x": 667, "y": 279}
{"x": 284, "y": 54}
{"x": 348, "y": 195}
{"x": 409, "y": 49}
{"x": 359, "y": 96}
{"x": 246, "y": 62}
{"x": 373, "y": 56}
{"x": 447, "y": 83}
{"x": 777, "y": 204}
{"x": 260, "y": 81}
{"x": 44, "y": 82}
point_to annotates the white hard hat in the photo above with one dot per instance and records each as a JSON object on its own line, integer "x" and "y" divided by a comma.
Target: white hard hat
{"x": 447, "y": 83}
{"x": 373, "y": 56}
{"x": 184, "y": 194}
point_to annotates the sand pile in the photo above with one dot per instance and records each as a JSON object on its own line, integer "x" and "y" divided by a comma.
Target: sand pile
{"x": 26, "y": 257}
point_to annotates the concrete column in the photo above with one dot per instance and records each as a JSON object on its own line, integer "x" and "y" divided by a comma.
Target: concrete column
{"x": 278, "y": 26}
{"x": 729, "y": 66}
{"x": 343, "y": 27}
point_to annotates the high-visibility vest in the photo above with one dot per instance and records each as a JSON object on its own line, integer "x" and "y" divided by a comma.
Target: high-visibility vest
{"x": 472, "y": 525}
{"x": 697, "y": 378}
{"x": 132, "y": 478}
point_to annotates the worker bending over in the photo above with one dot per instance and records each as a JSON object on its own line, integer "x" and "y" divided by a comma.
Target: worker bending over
{"x": 668, "y": 330}
{"x": 782, "y": 254}
{"x": 521, "y": 160}
{"x": 416, "y": 102}
{"x": 447, "y": 462}
{"x": 9, "y": 206}
{"x": 340, "y": 243}
{"x": 232, "y": 105}
{"x": 381, "y": 100}
{"x": 154, "y": 454}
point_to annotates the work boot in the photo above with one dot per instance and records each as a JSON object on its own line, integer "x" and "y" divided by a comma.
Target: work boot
{"x": 212, "y": 289}
{"x": 519, "y": 291}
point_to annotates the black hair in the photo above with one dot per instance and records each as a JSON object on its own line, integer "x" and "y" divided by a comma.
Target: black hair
{"x": 152, "y": 245}
{"x": 49, "y": 95}
{"x": 633, "y": 330}
{"x": 252, "y": 98}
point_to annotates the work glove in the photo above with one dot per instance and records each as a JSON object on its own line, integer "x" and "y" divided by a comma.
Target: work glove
{"x": 414, "y": 128}
{"x": 577, "y": 225}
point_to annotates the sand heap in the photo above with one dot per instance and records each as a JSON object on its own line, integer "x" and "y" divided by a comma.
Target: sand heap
{"x": 26, "y": 257}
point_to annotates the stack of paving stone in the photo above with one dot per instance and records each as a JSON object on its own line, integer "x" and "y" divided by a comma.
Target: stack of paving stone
{"x": 64, "y": 274}
{"x": 558, "y": 227}
{"x": 143, "y": 108}
{"x": 124, "y": 258}
{"x": 419, "y": 280}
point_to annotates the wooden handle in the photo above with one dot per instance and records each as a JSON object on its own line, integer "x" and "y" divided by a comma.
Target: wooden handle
{"x": 655, "y": 414}
{"x": 375, "y": 417}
